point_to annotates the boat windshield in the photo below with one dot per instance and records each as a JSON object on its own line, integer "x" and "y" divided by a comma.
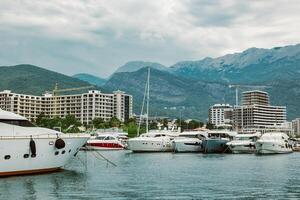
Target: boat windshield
{"x": 243, "y": 138}
{"x": 189, "y": 136}
{"x": 252, "y": 138}
{"x": 105, "y": 138}
{"x": 160, "y": 135}
{"x": 192, "y": 136}
{"x": 24, "y": 123}
{"x": 100, "y": 137}
{"x": 219, "y": 135}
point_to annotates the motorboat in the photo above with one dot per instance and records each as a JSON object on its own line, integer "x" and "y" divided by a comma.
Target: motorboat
{"x": 110, "y": 131}
{"x": 106, "y": 142}
{"x": 155, "y": 141}
{"x": 190, "y": 141}
{"x": 295, "y": 142}
{"x": 217, "y": 140}
{"x": 244, "y": 143}
{"x": 27, "y": 149}
{"x": 273, "y": 143}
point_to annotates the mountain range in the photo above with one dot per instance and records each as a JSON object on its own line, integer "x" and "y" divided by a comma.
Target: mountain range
{"x": 190, "y": 87}
{"x": 187, "y": 88}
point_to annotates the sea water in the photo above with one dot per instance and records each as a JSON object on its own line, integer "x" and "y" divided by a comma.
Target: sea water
{"x": 163, "y": 176}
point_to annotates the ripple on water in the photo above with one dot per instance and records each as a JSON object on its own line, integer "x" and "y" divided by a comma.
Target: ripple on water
{"x": 163, "y": 176}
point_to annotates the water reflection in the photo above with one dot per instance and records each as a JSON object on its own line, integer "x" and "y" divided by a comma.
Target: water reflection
{"x": 30, "y": 190}
{"x": 163, "y": 176}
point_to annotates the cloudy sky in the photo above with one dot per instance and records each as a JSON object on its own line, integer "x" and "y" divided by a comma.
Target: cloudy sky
{"x": 97, "y": 36}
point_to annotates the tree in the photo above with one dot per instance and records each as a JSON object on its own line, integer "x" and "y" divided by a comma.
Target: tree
{"x": 70, "y": 124}
{"x": 209, "y": 126}
{"x": 184, "y": 126}
{"x": 99, "y": 123}
{"x": 165, "y": 122}
{"x": 47, "y": 122}
{"x": 153, "y": 126}
{"x": 133, "y": 119}
{"x": 131, "y": 128}
{"x": 114, "y": 122}
{"x": 40, "y": 120}
{"x": 194, "y": 124}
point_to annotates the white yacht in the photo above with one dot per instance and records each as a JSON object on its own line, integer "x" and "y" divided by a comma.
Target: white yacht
{"x": 26, "y": 149}
{"x": 157, "y": 141}
{"x": 189, "y": 141}
{"x": 244, "y": 143}
{"x": 217, "y": 140}
{"x": 273, "y": 143}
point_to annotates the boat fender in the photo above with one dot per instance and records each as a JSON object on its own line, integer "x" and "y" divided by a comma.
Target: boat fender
{"x": 60, "y": 143}
{"x": 32, "y": 147}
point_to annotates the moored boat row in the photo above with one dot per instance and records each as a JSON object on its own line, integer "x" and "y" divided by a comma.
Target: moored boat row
{"x": 218, "y": 141}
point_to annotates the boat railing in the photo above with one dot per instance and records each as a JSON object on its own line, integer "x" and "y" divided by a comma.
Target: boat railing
{"x": 44, "y": 136}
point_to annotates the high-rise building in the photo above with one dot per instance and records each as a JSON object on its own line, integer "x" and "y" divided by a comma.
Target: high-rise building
{"x": 85, "y": 107}
{"x": 216, "y": 114}
{"x": 256, "y": 113}
{"x": 258, "y": 116}
{"x": 255, "y": 97}
{"x": 296, "y": 126}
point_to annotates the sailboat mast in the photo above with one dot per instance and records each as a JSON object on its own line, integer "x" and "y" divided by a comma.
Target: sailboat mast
{"x": 148, "y": 94}
{"x": 142, "y": 110}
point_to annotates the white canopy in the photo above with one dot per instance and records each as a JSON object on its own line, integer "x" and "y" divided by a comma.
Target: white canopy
{"x": 9, "y": 115}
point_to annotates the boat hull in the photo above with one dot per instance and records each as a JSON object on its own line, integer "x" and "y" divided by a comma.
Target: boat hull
{"x": 18, "y": 159}
{"x": 215, "y": 146}
{"x": 28, "y": 172}
{"x": 113, "y": 145}
{"x": 150, "y": 146}
{"x": 242, "y": 147}
{"x": 188, "y": 145}
{"x": 272, "y": 148}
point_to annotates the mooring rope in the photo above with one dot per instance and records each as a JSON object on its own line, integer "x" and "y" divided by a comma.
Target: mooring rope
{"x": 82, "y": 162}
{"x": 103, "y": 157}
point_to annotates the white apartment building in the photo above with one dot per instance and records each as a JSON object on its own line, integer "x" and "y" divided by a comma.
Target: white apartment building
{"x": 216, "y": 114}
{"x": 256, "y": 113}
{"x": 296, "y": 126}
{"x": 258, "y": 116}
{"x": 85, "y": 107}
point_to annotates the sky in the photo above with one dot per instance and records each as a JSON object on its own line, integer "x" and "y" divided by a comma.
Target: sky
{"x": 98, "y": 36}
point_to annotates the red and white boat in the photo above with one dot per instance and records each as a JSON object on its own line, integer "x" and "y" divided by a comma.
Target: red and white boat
{"x": 106, "y": 142}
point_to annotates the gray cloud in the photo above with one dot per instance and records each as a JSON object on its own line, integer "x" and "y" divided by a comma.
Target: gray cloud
{"x": 97, "y": 36}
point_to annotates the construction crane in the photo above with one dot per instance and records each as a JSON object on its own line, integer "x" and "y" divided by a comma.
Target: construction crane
{"x": 237, "y": 87}
{"x": 56, "y": 91}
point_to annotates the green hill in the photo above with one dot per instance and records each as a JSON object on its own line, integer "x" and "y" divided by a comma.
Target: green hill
{"x": 30, "y": 79}
{"x": 94, "y": 80}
